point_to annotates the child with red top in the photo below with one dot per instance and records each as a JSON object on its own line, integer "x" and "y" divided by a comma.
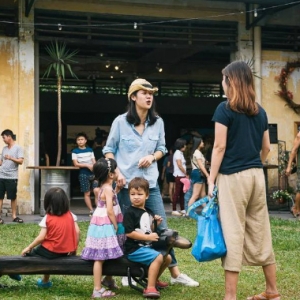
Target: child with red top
{"x": 59, "y": 235}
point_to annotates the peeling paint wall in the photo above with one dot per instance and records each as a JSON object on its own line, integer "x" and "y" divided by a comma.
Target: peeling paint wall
{"x": 17, "y": 106}
{"x": 278, "y": 112}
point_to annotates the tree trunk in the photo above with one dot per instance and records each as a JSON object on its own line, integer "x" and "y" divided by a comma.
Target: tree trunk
{"x": 58, "y": 120}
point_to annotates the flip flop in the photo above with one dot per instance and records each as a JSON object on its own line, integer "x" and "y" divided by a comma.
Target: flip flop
{"x": 18, "y": 220}
{"x": 265, "y": 296}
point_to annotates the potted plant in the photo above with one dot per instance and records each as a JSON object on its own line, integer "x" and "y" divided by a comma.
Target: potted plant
{"x": 60, "y": 62}
{"x": 282, "y": 196}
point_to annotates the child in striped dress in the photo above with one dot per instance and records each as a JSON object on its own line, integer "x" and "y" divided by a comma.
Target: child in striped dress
{"x": 105, "y": 236}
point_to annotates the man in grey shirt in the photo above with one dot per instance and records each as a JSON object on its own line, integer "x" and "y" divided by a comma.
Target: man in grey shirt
{"x": 12, "y": 156}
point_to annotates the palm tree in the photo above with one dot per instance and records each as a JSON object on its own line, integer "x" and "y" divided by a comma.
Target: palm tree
{"x": 60, "y": 59}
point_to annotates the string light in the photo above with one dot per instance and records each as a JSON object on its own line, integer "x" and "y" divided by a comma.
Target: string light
{"x": 59, "y": 26}
{"x": 150, "y": 23}
{"x": 255, "y": 13}
{"x": 116, "y": 68}
{"x": 158, "y": 68}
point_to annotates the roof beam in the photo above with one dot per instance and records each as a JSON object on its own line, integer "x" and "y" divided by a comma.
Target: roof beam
{"x": 261, "y": 14}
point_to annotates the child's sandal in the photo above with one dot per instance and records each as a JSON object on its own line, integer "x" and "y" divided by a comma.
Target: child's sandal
{"x": 103, "y": 293}
{"x": 265, "y": 296}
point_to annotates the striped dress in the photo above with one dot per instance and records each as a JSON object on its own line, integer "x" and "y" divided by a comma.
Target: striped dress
{"x": 102, "y": 242}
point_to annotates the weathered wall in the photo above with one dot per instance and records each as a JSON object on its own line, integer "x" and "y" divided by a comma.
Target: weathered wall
{"x": 278, "y": 112}
{"x": 17, "y": 106}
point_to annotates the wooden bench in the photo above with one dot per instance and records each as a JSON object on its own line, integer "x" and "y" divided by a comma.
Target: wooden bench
{"x": 73, "y": 265}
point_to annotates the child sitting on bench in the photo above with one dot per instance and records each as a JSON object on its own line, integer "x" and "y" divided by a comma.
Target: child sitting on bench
{"x": 139, "y": 225}
{"x": 59, "y": 235}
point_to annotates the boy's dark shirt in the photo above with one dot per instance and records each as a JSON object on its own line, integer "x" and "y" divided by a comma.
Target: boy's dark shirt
{"x": 137, "y": 218}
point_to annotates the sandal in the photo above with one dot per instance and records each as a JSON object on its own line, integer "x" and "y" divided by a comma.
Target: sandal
{"x": 151, "y": 293}
{"x": 1, "y": 221}
{"x": 103, "y": 293}
{"x": 18, "y": 220}
{"x": 111, "y": 284}
{"x": 265, "y": 296}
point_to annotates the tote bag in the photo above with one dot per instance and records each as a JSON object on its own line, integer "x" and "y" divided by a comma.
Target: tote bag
{"x": 209, "y": 243}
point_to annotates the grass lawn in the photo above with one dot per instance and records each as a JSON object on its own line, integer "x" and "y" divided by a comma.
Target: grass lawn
{"x": 286, "y": 241}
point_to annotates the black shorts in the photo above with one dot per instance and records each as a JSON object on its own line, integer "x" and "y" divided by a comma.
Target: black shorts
{"x": 43, "y": 252}
{"x": 170, "y": 177}
{"x": 8, "y": 186}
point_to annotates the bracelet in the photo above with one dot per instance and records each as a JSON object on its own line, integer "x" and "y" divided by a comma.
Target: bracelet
{"x": 154, "y": 157}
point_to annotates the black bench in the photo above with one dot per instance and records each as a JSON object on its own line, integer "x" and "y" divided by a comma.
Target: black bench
{"x": 73, "y": 265}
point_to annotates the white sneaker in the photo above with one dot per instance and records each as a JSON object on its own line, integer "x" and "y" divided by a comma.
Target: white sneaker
{"x": 183, "y": 212}
{"x": 125, "y": 281}
{"x": 176, "y": 213}
{"x": 184, "y": 280}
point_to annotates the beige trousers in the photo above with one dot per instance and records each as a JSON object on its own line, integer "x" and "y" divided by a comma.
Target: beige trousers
{"x": 245, "y": 220}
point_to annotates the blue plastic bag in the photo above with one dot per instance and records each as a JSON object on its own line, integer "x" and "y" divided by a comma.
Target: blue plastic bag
{"x": 209, "y": 243}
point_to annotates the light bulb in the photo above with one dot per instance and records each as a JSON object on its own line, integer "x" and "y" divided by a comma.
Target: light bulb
{"x": 59, "y": 26}
{"x": 255, "y": 13}
{"x": 135, "y": 25}
{"x": 116, "y": 68}
{"x": 158, "y": 68}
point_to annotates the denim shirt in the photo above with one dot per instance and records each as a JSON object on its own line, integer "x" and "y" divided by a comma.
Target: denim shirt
{"x": 128, "y": 147}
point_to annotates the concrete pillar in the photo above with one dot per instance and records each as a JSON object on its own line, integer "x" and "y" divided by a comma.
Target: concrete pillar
{"x": 17, "y": 101}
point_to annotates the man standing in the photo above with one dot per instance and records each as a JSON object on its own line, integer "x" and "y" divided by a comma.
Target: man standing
{"x": 295, "y": 156}
{"x": 12, "y": 157}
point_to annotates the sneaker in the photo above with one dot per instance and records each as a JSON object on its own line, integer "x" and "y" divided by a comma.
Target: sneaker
{"x": 184, "y": 280}
{"x": 42, "y": 284}
{"x": 183, "y": 213}
{"x": 125, "y": 281}
{"x": 15, "y": 277}
{"x": 176, "y": 213}
{"x": 161, "y": 284}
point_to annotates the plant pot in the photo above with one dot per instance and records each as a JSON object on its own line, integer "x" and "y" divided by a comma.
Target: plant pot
{"x": 281, "y": 200}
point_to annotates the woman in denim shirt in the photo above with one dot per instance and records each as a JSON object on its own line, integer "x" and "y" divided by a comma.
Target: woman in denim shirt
{"x": 136, "y": 141}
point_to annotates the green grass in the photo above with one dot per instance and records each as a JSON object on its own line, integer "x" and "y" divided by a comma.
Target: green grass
{"x": 286, "y": 241}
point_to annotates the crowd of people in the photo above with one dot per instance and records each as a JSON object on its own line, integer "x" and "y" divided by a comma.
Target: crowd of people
{"x": 128, "y": 197}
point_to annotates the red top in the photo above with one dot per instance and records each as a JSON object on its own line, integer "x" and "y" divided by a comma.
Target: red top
{"x": 61, "y": 234}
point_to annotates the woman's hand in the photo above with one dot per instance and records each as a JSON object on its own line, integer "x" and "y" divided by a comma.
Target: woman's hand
{"x": 158, "y": 219}
{"x": 146, "y": 161}
{"x": 121, "y": 181}
{"x": 211, "y": 186}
